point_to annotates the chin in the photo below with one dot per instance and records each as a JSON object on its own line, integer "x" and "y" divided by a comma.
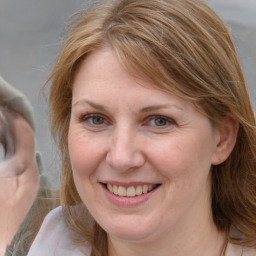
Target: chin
{"x": 130, "y": 231}
{"x": 129, "y": 235}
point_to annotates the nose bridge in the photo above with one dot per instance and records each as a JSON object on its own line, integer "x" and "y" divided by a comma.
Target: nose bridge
{"x": 125, "y": 153}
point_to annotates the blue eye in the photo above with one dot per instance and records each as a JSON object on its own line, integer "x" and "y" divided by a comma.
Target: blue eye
{"x": 94, "y": 119}
{"x": 161, "y": 121}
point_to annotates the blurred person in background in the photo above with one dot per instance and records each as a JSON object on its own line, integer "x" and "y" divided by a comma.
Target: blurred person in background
{"x": 26, "y": 195}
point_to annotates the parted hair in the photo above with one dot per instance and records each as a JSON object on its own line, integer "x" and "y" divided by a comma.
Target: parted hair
{"x": 183, "y": 47}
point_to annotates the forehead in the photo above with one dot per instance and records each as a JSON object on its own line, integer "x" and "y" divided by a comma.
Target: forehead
{"x": 103, "y": 78}
{"x": 102, "y": 68}
{"x": 98, "y": 64}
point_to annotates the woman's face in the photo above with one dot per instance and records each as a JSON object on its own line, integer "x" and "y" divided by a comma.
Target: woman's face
{"x": 141, "y": 157}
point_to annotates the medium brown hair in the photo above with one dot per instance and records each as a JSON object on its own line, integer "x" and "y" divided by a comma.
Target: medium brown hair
{"x": 184, "y": 48}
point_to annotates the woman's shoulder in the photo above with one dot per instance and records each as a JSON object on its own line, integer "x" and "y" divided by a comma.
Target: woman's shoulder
{"x": 235, "y": 249}
{"x": 55, "y": 238}
{"x": 238, "y": 250}
{"x": 249, "y": 251}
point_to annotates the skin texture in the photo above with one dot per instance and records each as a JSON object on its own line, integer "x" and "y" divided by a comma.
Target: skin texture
{"x": 127, "y": 132}
{"x": 19, "y": 181}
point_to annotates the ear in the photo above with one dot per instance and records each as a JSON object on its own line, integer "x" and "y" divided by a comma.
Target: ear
{"x": 226, "y": 135}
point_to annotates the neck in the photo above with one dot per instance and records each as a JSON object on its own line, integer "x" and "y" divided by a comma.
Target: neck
{"x": 206, "y": 245}
{"x": 200, "y": 238}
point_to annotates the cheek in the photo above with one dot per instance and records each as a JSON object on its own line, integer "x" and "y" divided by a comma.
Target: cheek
{"x": 84, "y": 156}
{"x": 183, "y": 159}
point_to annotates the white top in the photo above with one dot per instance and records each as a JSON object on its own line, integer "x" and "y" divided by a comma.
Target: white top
{"x": 54, "y": 239}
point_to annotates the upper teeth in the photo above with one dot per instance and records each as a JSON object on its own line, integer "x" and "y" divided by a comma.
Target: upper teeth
{"x": 130, "y": 191}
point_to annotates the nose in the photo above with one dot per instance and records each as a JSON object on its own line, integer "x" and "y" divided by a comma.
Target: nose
{"x": 125, "y": 151}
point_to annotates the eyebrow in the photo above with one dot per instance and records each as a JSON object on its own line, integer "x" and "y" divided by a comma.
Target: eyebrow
{"x": 142, "y": 110}
{"x": 158, "y": 107}
{"x": 92, "y": 104}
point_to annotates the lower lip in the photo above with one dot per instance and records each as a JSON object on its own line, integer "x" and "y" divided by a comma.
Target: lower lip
{"x": 128, "y": 201}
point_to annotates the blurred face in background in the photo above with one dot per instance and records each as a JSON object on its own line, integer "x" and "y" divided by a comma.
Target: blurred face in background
{"x": 17, "y": 143}
{"x": 19, "y": 174}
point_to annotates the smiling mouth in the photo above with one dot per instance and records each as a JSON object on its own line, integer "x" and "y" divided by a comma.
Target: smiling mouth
{"x": 131, "y": 191}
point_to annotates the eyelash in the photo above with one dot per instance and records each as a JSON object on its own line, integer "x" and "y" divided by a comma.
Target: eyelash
{"x": 90, "y": 118}
{"x": 168, "y": 121}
